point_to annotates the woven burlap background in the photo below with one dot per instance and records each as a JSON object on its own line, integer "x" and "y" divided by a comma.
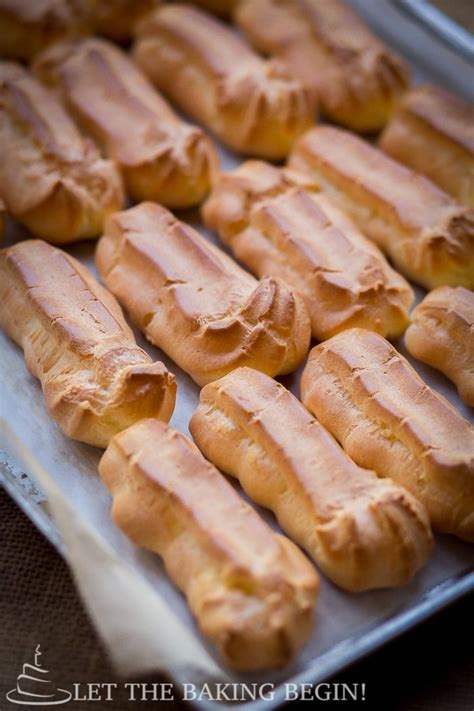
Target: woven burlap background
{"x": 431, "y": 668}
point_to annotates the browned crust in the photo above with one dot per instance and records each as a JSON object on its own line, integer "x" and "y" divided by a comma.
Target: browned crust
{"x": 161, "y": 157}
{"x": 426, "y": 234}
{"x": 194, "y": 302}
{"x": 251, "y": 590}
{"x": 223, "y": 8}
{"x": 389, "y": 420}
{"x": 51, "y": 179}
{"x": 253, "y": 106}
{"x": 362, "y": 531}
{"x": 326, "y": 45}
{"x": 95, "y": 379}
{"x": 441, "y": 334}
{"x": 433, "y": 133}
{"x": 116, "y": 19}
{"x": 3, "y": 216}
{"x": 277, "y": 225}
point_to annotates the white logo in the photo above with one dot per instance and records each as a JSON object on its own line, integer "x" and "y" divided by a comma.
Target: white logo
{"x": 33, "y": 688}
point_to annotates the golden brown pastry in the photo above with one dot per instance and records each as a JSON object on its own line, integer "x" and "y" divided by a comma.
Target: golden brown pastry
{"x": 194, "y": 302}
{"x": 277, "y": 225}
{"x": 117, "y": 18}
{"x": 323, "y": 42}
{"x": 252, "y": 105}
{"x": 362, "y": 531}
{"x": 251, "y": 590}
{"x": 386, "y": 418}
{"x": 223, "y": 8}
{"x": 161, "y": 157}
{"x": 95, "y": 378}
{"x": 433, "y": 133}
{"x": 426, "y": 234}
{"x": 52, "y": 180}
{"x": 28, "y": 26}
{"x": 441, "y": 334}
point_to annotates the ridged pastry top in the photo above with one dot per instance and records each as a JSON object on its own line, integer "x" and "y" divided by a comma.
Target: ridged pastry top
{"x": 454, "y": 306}
{"x": 43, "y": 149}
{"x": 277, "y": 225}
{"x": 435, "y": 239}
{"x": 114, "y": 101}
{"x": 251, "y": 590}
{"x": 444, "y": 112}
{"x": 321, "y": 498}
{"x": 329, "y": 47}
{"x": 95, "y": 378}
{"x": 254, "y": 105}
{"x": 195, "y": 302}
{"x": 381, "y": 385}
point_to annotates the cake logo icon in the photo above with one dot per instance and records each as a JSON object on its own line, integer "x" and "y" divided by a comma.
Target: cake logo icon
{"x": 33, "y": 688}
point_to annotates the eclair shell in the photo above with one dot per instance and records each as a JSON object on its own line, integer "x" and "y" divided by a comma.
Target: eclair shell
{"x": 95, "y": 379}
{"x": 387, "y": 419}
{"x": 251, "y": 590}
{"x": 194, "y": 302}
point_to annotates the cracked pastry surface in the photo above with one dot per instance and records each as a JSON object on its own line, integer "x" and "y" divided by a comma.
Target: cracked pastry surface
{"x": 52, "y": 180}
{"x": 254, "y": 106}
{"x": 357, "y": 78}
{"x": 387, "y": 419}
{"x": 195, "y": 302}
{"x": 277, "y": 225}
{"x": 251, "y": 590}
{"x": 161, "y": 157}
{"x": 362, "y": 531}
{"x": 432, "y": 132}
{"x": 441, "y": 334}
{"x": 95, "y": 379}
{"x": 426, "y": 234}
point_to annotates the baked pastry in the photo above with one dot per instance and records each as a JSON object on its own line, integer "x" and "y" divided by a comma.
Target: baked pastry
{"x": 441, "y": 334}
{"x": 277, "y": 225}
{"x": 161, "y": 157}
{"x": 116, "y": 18}
{"x": 95, "y": 378}
{"x": 52, "y": 180}
{"x": 362, "y": 531}
{"x": 28, "y": 26}
{"x": 432, "y": 132}
{"x": 194, "y": 302}
{"x": 251, "y": 590}
{"x": 387, "y": 419}
{"x": 224, "y": 8}
{"x": 426, "y": 234}
{"x": 252, "y": 105}
{"x": 324, "y": 43}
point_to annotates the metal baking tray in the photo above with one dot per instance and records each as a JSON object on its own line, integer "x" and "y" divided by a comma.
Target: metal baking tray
{"x": 347, "y": 626}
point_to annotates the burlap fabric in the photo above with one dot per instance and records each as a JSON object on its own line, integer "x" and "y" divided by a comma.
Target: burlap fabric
{"x": 431, "y": 668}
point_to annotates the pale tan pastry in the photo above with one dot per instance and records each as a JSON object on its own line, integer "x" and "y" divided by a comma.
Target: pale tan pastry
{"x": 223, "y": 8}
{"x": 387, "y": 419}
{"x": 161, "y": 157}
{"x": 323, "y": 42}
{"x": 194, "y": 302}
{"x": 253, "y": 105}
{"x": 95, "y": 379}
{"x": 251, "y": 590}
{"x": 52, "y": 180}
{"x": 427, "y": 235}
{"x": 441, "y": 334}
{"x": 277, "y": 225}
{"x": 117, "y": 18}
{"x": 28, "y": 26}
{"x": 362, "y": 531}
{"x": 432, "y": 132}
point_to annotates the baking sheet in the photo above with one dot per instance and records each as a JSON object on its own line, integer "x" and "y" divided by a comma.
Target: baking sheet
{"x": 346, "y": 625}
